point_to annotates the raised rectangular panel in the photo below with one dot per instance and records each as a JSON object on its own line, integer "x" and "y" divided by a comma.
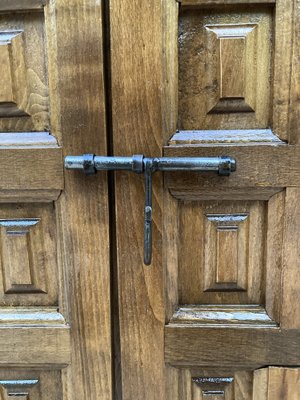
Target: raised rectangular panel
{"x": 22, "y": 269}
{"x": 224, "y": 68}
{"x": 13, "y": 80}
{"x": 237, "y": 75}
{"x": 226, "y": 252}
{"x": 28, "y": 255}
{"x": 24, "y": 100}
{"x": 222, "y": 252}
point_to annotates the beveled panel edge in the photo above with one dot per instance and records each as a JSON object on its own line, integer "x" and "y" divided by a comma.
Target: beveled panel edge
{"x": 234, "y": 136}
{"x": 27, "y": 140}
{"x": 31, "y": 317}
{"x": 252, "y": 315}
{"x": 22, "y": 5}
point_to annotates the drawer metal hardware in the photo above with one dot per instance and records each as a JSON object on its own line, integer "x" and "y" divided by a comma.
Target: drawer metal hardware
{"x": 90, "y": 164}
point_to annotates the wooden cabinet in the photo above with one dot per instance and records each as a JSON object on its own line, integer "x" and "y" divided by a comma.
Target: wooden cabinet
{"x": 216, "y": 316}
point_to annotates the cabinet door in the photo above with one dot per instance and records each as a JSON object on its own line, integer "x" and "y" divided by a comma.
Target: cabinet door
{"x": 221, "y": 299}
{"x": 55, "y": 289}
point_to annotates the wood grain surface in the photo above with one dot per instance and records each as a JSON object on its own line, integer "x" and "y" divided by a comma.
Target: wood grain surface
{"x": 249, "y": 348}
{"x": 136, "y": 37}
{"x": 76, "y": 72}
{"x": 276, "y": 384}
{"x": 24, "y": 82}
{"x": 223, "y": 83}
{"x": 290, "y": 318}
{"x": 283, "y": 51}
{"x": 258, "y": 166}
{"x": 45, "y": 346}
{"x": 293, "y": 127}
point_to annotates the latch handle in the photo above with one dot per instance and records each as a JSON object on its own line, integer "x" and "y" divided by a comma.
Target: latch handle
{"x": 90, "y": 164}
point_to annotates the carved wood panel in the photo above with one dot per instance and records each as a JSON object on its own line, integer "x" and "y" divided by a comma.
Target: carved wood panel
{"x": 273, "y": 383}
{"x": 220, "y": 256}
{"x": 226, "y": 252}
{"x": 24, "y": 98}
{"x": 28, "y": 255}
{"x": 222, "y": 247}
{"x": 224, "y": 68}
{"x": 215, "y": 384}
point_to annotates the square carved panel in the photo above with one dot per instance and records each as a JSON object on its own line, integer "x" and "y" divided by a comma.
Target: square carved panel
{"x": 224, "y": 68}
{"x": 28, "y": 274}
{"x": 24, "y": 99}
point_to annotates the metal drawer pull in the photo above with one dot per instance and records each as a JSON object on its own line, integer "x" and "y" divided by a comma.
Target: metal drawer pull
{"x": 139, "y": 164}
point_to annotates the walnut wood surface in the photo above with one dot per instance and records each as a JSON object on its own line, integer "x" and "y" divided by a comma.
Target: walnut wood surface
{"x": 274, "y": 255}
{"x": 27, "y": 347}
{"x": 136, "y": 33}
{"x": 243, "y": 224}
{"x": 254, "y": 163}
{"x": 283, "y": 107}
{"x": 221, "y": 297}
{"x": 266, "y": 167}
{"x": 223, "y": 83}
{"x": 78, "y": 117}
{"x": 248, "y": 348}
{"x": 44, "y": 173}
{"x": 290, "y": 318}
{"x": 23, "y": 179}
{"x": 276, "y": 384}
{"x": 25, "y": 93}
{"x": 294, "y": 115}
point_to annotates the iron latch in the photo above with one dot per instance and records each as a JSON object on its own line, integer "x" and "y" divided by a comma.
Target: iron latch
{"x": 90, "y": 164}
